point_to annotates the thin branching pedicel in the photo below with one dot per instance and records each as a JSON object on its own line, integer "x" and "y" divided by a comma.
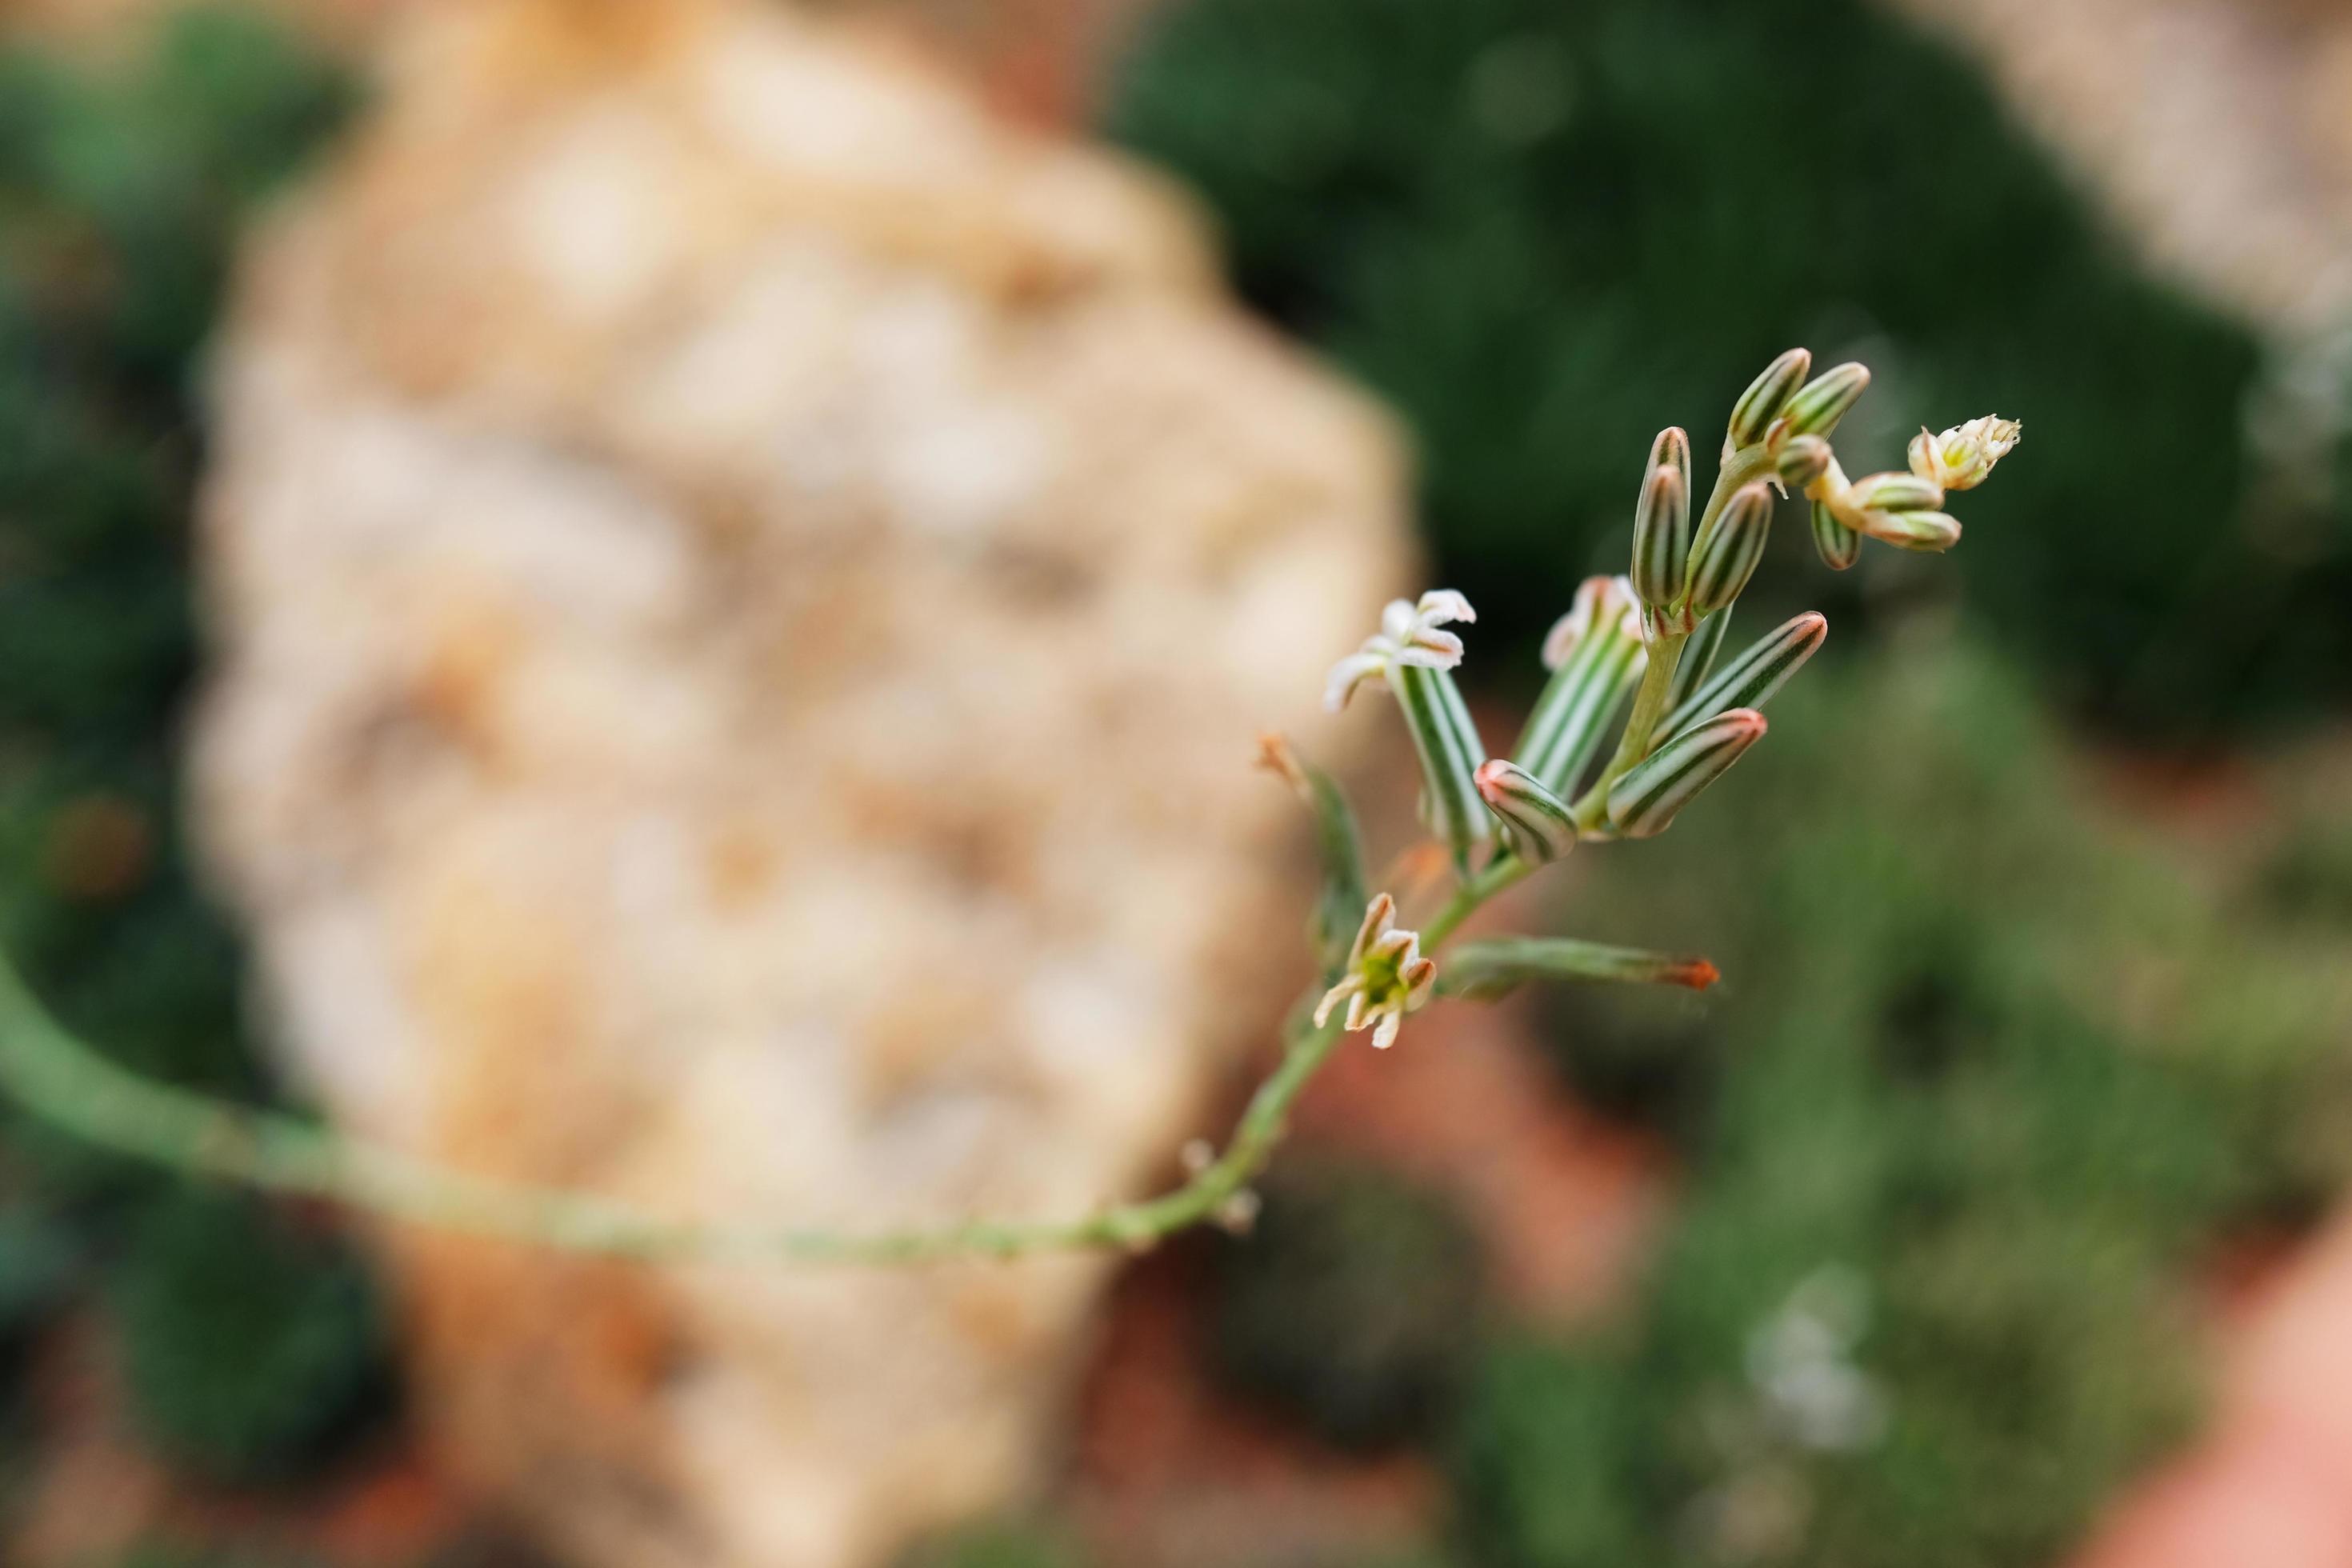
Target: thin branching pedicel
{"x": 1634, "y": 657}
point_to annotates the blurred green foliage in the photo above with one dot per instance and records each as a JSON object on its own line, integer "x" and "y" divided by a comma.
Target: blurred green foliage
{"x": 247, "y": 1343}
{"x": 997, "y": 1543}
{"x": 1352, "y": 1303}
{"x": 121, "y": 190}
{"x": 2008, "y": 1067}
{"x": 1543, "y": 229}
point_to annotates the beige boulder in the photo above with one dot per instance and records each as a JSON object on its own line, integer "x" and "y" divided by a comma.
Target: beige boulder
{"x": 741, "y": 591}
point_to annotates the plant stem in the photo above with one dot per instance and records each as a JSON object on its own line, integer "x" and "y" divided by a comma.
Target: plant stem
{"x": 61, "y": 1078}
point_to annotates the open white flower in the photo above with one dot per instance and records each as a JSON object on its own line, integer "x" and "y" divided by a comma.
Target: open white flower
{"x": 1387, "y": 976}
{"x": 1962, "y": 457}
{"x": 1408, "y": 635}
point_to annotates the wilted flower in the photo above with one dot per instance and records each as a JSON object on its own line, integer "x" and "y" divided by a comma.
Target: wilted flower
{"x": 1408, "y": 637}
{"x": 1386, "y": 977}
{"x": 1961, "y": 458}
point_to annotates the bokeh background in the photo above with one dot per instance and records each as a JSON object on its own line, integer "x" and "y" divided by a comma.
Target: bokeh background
{"x": 1984, "y": 1217}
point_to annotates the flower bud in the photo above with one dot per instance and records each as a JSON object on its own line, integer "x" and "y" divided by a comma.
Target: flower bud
{"x": 1450, "y": 754}
{"x": 1761, "y": 403}
{"x": 1801, "y": 459}
{"x": 1962, "y": 457}
{"x": 1725, "y": 555}
{"x": 1749, "y": 680}
{"x": 1924, "y": 530}
{"x": 1893, "y": 492}
{"x": 1538, "y": 826}
{"x": 1596, "y": 656}
{"x": 1492, "y": 968}
{"x": 1839, "y": 546}
{"x": 1662, "y": 521}
{"x": 1646, "y": 798}
{"x": 1816, "y": 409}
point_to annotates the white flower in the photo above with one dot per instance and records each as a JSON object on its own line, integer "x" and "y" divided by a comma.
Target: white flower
{"x": 1387, "y": 976}
{"x": 1599, "y": 602}
{"x": 1408, "y": 635}
{"x": 1962, "y": 457}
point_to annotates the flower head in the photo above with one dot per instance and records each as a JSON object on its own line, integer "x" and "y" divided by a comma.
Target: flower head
{"x": 1386, "y": 977}
{"x": 1962, "y": 457}
{"x": 1408, "y": 635}
{"x": 1599, "y": 603}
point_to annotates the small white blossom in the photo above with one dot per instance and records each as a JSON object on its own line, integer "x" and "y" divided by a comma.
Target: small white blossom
{"x": 1408, "y": 635}
{"x": 1387, "y": 976}
{"x": 1962, "y": 457}
{"x": 1598, "y": 602}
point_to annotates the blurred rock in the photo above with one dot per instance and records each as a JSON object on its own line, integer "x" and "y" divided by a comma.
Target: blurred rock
{"x": 2218, "y": 131}
{"x": 742, "y": 591}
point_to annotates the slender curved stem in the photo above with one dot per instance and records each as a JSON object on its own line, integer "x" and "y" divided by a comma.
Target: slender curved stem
{"x": 60, "y": 1078}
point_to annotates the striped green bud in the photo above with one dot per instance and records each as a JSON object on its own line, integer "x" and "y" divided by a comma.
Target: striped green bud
{"x": 1893, "y": 492}
{"x": 1538, "y": 826}
{"x": 1441, "y": 731}
{"x": 1698, "y": 657}
{"x": 1922, "y": 531}
{"x": 1762, "y": 402}
{"x": 1596, "y": 656}
{"x": 1840, "y": 546}
{"x": 1749, "y": 680}
{"x": 1816, "y": 409}
{"x": 1800, "y": 460}
{"x": 1728, "y": 549}
{"x": 1662, "y": 521}
{"x": 1647, "y": 797}
{"x": 1492, "y": 968}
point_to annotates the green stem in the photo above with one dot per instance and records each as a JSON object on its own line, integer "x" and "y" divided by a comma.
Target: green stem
{"x": 60, "y": 1078}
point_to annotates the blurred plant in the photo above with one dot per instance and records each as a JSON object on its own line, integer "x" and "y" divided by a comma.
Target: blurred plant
{"x": 1650, "y": 639}
{"x": 1353, "y": 1303}
{"x": 2009, "y": 1075}
{"x": 246, "y": 1344}
{"x": 995, "y": 1544}
{"x": 1534, "y": 228}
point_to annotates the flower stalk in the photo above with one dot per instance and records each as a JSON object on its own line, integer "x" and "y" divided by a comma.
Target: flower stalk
{"x": 1655, "y": 632}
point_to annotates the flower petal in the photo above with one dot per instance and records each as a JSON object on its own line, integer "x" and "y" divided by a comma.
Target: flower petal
{"x": 1377, "y": 915}
{"x": 1439, "y": 606}
{"x": 1349, "y": 674}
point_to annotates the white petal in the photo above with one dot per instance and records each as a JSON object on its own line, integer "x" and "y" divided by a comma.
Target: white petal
{"x": 1349, "y": 674}
{"x": 1332, "y": 998}
{"x": 1396, "y": 620}
{"x": 1561, "y": 640}
{"x": 1431, "y": 650}
{"x": 1439, "y": 606}
{"x": 1385, "y": 1035}
{"x": 1377, "y": 915}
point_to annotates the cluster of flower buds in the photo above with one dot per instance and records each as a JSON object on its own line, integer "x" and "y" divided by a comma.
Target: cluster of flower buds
{"x": 1657, "y": 631}
{"x": 1906, "y": 510}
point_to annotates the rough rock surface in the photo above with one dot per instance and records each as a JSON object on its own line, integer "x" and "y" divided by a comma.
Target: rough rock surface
{"x": 742, "y": 594}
